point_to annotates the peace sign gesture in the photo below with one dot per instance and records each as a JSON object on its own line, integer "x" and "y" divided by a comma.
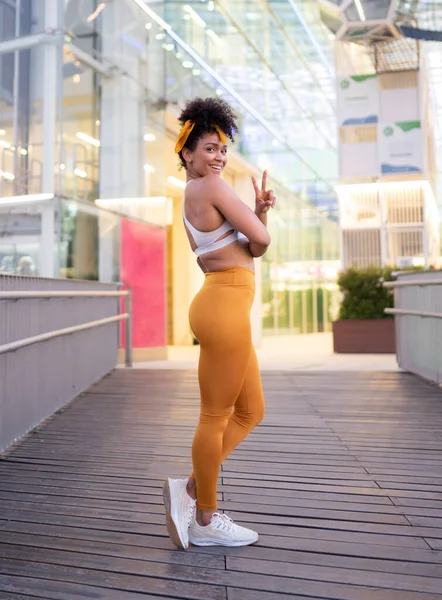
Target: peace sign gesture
{"x": 264, "y": 199}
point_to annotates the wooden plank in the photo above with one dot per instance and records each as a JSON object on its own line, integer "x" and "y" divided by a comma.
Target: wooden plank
{"x": 359, "y": 532}
{"x": 390, "y": 581}
{"x": 309, "y": 506}
{"x": 338, "y": 561}
{"x": 114, "y": 549}
{"x": 241, "y": 594}
{"x": 13, "y": 587}
{"x": 375, "y": 491}
{"x": 318, "y": 514}
{"x": 127, "y": 582}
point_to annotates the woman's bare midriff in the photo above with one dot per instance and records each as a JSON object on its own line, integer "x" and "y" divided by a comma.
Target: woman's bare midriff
{"x": 233, "y": 255}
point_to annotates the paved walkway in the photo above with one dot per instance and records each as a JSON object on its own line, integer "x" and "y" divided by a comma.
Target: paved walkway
{"x": 289, "y": 353}
{"x": 343, "y": 481}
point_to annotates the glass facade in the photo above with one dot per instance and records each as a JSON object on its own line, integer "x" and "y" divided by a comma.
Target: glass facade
{"x": 88, "y": 103}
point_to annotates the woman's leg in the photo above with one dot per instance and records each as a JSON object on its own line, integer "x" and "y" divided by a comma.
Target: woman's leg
{"x": 247, "y": 414}
{"x": 248, "y": 411}
{"x": 221, "y": 377}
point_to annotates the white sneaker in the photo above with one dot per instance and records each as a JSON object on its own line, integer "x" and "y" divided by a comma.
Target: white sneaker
{"x": 221, "y": 531}
{"x": 180, "y": 511}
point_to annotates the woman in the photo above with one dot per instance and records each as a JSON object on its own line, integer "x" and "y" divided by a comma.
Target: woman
{"x": 226, "y": 235}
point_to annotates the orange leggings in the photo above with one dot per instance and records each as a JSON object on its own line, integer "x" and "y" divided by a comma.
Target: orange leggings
{"x": 232, "y": 402}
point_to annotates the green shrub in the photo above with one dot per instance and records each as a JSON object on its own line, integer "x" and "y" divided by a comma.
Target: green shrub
{"x": 364, "y": 296}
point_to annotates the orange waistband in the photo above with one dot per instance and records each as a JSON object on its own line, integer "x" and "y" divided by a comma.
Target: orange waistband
{"x": 232, "y": 276}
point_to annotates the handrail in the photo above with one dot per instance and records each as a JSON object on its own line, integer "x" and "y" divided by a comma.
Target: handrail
{"x": 127, "y": 317}
{"x": 64, "y": 294}
{"x": 395, "y": 284}
{"x": 12, "y": 346}
{"x": 414, "y": 313}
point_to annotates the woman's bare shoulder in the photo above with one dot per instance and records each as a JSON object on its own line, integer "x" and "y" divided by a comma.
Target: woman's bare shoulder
{"x": 208, "y": 186}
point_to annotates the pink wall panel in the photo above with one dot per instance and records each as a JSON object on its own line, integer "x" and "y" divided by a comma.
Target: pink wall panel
{"x": 143, "y": 269}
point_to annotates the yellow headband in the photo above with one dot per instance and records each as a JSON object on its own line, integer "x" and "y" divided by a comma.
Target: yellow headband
{"x": 187, "y": 130}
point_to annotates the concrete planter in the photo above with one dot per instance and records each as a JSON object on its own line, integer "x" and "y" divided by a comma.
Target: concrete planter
{"x": 377, "y": 336}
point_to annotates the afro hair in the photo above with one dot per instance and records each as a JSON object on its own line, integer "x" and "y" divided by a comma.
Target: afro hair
{"x": 207, "y": 112}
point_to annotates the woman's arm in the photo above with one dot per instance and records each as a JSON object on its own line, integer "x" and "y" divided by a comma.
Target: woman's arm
{"x": 238, "y": 214}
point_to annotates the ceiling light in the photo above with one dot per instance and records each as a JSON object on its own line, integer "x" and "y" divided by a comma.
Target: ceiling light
{"x": 6, "y": 175}
{"x": 62, "y": 166}
{"x": 219, "y": 92}
{"x": 360, "y": 10}
{"x": 4, "y": 144}
{"x": 211, "y": 5}
{"x": 80, "y": 173}
{"x": 187, "y": 64}
{"x": 149, "y": 168}
{"x": 26, "y": 199}
{"x": 148, "y": 26}
{"x": 23, "y": 151}
{"x": 214, "y": 37}
{"x": 176, "y": 182}
{"x": 160, "y": 36}
{"x": 194, "y": 15}
{"x": 97, "y": 11}
{"x": 76, "y": 78}
{"x": 97, "y": 122}
{"x": 196, "y": 72}
{"x": 149, "y": 137}
{"x": 168, "y": 47}
{"x": 87, "y": 138}
{"x": 179, "y": 55}
{"x": 2, "y": 132}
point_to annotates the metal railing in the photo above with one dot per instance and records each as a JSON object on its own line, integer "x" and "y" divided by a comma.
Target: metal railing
{"x": 57, "y": 338}
{"x": 418, "y": 314}
{"x": 126, "y": 316}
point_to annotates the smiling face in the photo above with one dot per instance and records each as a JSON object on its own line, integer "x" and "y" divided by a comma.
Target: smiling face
{"x": 209, "y": 156}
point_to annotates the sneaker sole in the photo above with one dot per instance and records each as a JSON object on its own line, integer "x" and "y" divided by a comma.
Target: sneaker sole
{"x": 172, "y": 529}
{"x": 221, "y": 543}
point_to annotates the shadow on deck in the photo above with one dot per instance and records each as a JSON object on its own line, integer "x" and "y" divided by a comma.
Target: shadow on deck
{"x": 343, "y": 481}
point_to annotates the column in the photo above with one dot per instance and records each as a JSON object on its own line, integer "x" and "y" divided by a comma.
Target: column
{"x": 122, "y": 107}
{"x": 51, "y": 73}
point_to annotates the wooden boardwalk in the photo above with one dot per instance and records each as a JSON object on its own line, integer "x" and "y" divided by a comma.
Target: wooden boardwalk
{"x": 343, "y": 481}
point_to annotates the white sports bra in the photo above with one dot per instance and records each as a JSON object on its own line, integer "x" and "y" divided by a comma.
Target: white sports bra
{"x": 209, "y": 241}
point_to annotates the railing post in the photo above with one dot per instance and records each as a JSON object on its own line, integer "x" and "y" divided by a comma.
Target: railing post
{"x": 119, "y": 311}
{"x": 128, "y": 328}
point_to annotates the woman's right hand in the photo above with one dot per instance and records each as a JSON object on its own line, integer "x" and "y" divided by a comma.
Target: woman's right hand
{"x": 264, "y": 199}
{"x": 239, "y": 215}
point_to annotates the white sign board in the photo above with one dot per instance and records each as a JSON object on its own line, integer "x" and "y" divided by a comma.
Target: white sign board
{"x": 401, "y": 147}
{"x": 359, "y": 160}
{"x": 399, "y": 104}
{"x": 358, "y": 100}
